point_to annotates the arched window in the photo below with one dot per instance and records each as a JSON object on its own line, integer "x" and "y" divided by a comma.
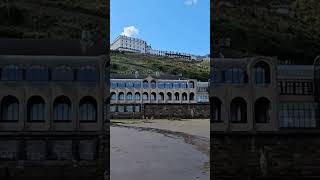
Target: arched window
{"x": 12, "y": 73}
{"x": 145, "y": 96}
{"x": 176, "y": 95}
{"x": 129, "y": 96}
{"x": 238, "y": 109}
{"x": 169, "y": 96}
{"x": 62, "y": 73}
{"x": 9, "y": 109}
{"x": 262, "y": 110}
{"x": 191, "y": 84}
{"x": 153, "y": 84}
{"x": 88, "y": 109}
{"x": 87, "y": 73}
{"x": 184, "y": 96}
{"x": 37, "y": 73}
{"x": 145, "y": 84}
{"x": 161, "y": 96}
{"x": 36, "y": 109}
{"x": 62, "y": 109}
{"x": 262, "y": 73}
{"x": 113, "y": 96}
{"x": 137, "y": 96}
{"x": 191, "y": 96}
{"x": 121, "y": 96}
{"x": 215, "y": 105}
{"x": 153, "y": 96}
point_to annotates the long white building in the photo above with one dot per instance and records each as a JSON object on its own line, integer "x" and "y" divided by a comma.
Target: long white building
{"x": 130, "y": 44}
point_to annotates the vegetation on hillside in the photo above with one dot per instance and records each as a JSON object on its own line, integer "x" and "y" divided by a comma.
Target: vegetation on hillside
{"x": 264, "y": 28}
{"x": 129, "y": 63}
{"x": 57, "y": 19}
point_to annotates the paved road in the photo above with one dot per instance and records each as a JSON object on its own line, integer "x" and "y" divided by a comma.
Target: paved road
{"x": 139, "y": 154}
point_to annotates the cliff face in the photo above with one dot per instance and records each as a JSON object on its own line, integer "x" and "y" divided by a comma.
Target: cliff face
{"x": 58, "y": 19}
{"x": 288, "y": 29}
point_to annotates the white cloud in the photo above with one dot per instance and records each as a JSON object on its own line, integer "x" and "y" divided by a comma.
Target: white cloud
{"x": 130, "y": 31}
{"x": 190, "y": 2}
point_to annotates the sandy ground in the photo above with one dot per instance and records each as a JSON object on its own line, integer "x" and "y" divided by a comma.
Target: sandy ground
{"x": 197, "y": 127}
{"x": 138, "y": 154}
{"x": 161, "y": 149}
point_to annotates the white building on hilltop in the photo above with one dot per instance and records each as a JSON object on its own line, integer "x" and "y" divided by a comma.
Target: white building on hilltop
{"x": 130, "y": 44}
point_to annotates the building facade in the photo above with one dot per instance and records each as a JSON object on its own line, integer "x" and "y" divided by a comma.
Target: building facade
{"x": 53, "y": 109}
{"x": 158, "y": 97}
{"x": 130, "y": 95}
{"x": 258, "y": 94}
{"x": 130, "y": 44}
{"x": 173, "y": 54}
{"x": 270, "y": 113}
{"x": 202, "y": 92}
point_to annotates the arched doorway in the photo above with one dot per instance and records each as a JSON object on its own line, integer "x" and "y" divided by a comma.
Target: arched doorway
{"x": 169, "y": 96}
{"x": 184, "y": 96}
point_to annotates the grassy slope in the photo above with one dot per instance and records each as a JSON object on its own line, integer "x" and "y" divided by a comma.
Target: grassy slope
{"x": 128, "y": 63}
{"x": 56, "y": 19}
{"x": 256, "y": 31}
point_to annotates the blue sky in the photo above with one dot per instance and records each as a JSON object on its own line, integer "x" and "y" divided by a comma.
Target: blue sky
{"x": 175, "y": 25}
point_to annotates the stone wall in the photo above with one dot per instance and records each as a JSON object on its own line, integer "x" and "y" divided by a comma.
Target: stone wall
{"x": 126, "y": 115}
{"x": 165, "y": 111}
{"x": 177, "y": 111}
{"x": 274, "y": 155}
